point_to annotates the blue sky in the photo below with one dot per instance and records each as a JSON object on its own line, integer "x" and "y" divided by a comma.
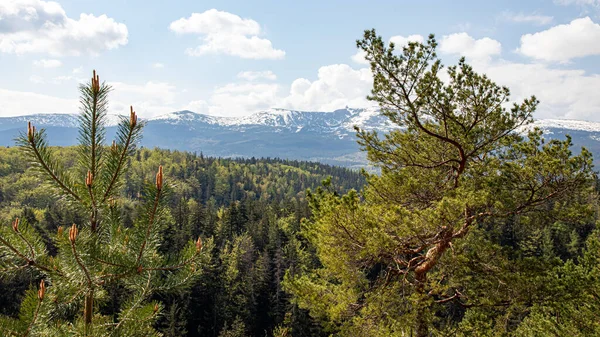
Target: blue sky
{"x": 233, "y": 58}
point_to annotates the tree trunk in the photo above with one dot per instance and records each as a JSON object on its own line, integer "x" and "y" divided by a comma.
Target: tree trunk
{"x": 431, "y": 258}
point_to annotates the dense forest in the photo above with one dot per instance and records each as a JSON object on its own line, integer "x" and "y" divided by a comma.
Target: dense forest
{"x": 470, "y": 226}
{"x": 252, "y": 207}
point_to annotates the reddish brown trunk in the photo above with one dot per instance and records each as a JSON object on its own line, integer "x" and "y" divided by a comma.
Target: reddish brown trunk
{"x": 431, "y": 258}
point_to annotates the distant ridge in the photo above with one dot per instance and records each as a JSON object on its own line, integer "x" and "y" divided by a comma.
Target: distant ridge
{"x": 307, "y": 135}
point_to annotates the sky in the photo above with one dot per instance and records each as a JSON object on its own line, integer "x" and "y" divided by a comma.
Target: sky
{"x": 234, "y": 58}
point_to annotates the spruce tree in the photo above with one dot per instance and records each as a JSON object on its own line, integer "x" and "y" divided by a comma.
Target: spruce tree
{"x": 102, "y": 253}
{"x": 420, "y": 251}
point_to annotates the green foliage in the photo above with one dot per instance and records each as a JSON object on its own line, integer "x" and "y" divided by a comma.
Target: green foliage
{"x": 100, "y": 251}
{"x": 468, "y": 221}
{"x": 237, "y": 329}
{"x": 264, "y": 199}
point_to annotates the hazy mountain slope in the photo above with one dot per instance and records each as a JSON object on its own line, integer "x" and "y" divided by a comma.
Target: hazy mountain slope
{"x": 322, "y": 136}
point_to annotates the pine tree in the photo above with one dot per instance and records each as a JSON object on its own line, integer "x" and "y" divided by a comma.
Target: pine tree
{"x": 416, "y": 253}
{"x": 101, "y": 253}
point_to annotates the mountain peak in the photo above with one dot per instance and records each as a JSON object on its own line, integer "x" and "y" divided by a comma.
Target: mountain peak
{"x": 311, "y": 135}
{"x": 182, "y": 114}
{"x": 340, "y": 121}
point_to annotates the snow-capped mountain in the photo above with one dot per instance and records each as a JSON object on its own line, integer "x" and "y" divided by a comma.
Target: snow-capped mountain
{"x": 336, "y": 121}
{"x": 322, "y": 136}
{"x": 567, "y": 124}
{"x": 340, "y": 122}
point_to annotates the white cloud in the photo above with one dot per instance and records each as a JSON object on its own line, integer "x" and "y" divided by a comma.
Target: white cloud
{"x": 537, "y": 19}
{"x": 238, "y": 99}
{"x": 158, "y": 65}
{"x": 359, "y": 57}
{"x": 36, "y": 26}
{"x": 561, "y": 43}
{"x": 402, "y": 41}
{"x": 465, "y": 45}
{"x": 148, "y": 99}
{"x": 399, "y": 42}
{"x": 237, "y": 45}
{"x": 254, "y": 75}
{"x": 44, "y": 63}
{"x": 199, "y": 106}
{"x": 18, "y": 103}
{"x": 337, "y": 86}
{"x": 340, "y": 85}
{"x": 57, "y": 79}
{"x": 226, "y": 33}
{"x": 77, "y": 70}
{"x": 548, "y": 84}
{"x": 214, "y": 21}
{"x": 570, "y": 94}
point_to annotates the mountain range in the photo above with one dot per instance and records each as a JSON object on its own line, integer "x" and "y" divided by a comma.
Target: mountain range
{"x": 327, "y": 137}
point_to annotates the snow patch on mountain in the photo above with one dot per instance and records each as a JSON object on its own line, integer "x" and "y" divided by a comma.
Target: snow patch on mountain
{"x": 569, "y": 124}
{"x": 186, "y": 116}
{"x": 340, "y": 122}
{"x": 63, "y": 120}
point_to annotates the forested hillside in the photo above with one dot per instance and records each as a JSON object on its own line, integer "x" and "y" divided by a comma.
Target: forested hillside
{"x": 251, "y": 207}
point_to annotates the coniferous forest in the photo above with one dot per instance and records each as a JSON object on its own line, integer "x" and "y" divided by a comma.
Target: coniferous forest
{"x": 467, "y": 226}
{"x": 251, "y": 208}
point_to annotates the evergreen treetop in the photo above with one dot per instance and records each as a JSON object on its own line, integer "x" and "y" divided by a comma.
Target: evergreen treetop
{"x": 102, "y": 253}
{"x": 412, "y": 252}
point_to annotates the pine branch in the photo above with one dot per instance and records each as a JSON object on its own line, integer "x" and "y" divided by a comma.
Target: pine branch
{"x": 41, "y": 293}
{"x": 128, "y": 134}
{"x": 89, "y": 181}
{"x": 28, "y": 245}
{"x": 176, "y": 274}
{"x": 108, "y": 263}
{"x": 124, "y": 318}
{"x": 159, "y": 184}
{"x": 35, "y": 144}
{"x": 94, "y": 106}
{"x": 15, "y": 227}
{"x": 195, "y": 256}
{"x": 104, "y": 255}
{"x": 30, "y": 262}
{"x": 72, "y": 237}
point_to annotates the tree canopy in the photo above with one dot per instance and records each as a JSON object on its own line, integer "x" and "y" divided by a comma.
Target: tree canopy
{"x": 457, "y": 234}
